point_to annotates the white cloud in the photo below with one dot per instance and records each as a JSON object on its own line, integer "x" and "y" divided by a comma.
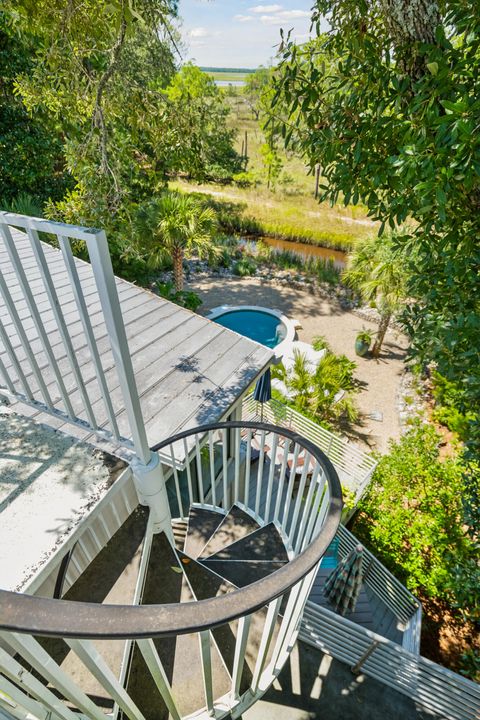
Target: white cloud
{"x": 265, "y": 8}
{"x": 199, "y": 32}
{"x": 270, "y": 20}
{"x": 291, "y": 14}
{"x": 280, "y": 18}
{"x": 242, "y": 18}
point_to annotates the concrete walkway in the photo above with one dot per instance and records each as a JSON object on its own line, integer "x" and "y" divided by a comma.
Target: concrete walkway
{"x": 379, "y": 379}
{"x": 313, "y": 686}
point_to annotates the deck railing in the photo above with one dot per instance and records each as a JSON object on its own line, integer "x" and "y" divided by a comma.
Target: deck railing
{"x": 404, "y": 606}
{"x": 431, "y": 686}
{"x": 291, "y": 483}
{"x": 51, "y": 336}
{"x": 354, "y": 467}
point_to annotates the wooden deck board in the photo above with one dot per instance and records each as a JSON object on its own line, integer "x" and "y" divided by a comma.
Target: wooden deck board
{"x": 186, "y": 367}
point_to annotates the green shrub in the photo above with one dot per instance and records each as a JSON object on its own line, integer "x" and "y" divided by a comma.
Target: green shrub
{"x": 450, "y": 402}
{"x": 325, "y": 394}
{"x": 246, "y": 179}
{"x": 413, "y": 517}
{"x": 470, "y": 664}
{"x": 323, "y": 269}
{"x": 245, "y": 266}
{"x": 320, "y": 342}
{"x": 185, "y": 298}
{"x": 23, "y": 204}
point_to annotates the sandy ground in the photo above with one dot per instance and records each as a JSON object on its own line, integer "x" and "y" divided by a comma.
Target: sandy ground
{"x": 379, "y": 379}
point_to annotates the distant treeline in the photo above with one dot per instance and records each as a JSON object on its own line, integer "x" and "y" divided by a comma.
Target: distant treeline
{"x": 227, "y": 70}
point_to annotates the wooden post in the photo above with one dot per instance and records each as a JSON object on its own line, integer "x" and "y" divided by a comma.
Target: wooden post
{"x": 246, "y": 149}
{"x": 317, "y": 179}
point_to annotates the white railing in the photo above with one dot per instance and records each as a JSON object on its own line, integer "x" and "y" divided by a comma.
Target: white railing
{"x": 433, "y": 687}
{"x": 404, "y": 606}
{"x": 354, "y": 467}
{"x": 273, "y": 474}
{"x": 50, "y": 357}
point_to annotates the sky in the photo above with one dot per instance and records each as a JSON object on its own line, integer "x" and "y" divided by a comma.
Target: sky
{"x": 239, "y": 33}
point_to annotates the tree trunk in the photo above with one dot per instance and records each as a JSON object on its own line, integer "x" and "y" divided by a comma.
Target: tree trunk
{"x": 382, "y": 329}
{"x": 411, "y": 22}
{"x": 177, "y": 256}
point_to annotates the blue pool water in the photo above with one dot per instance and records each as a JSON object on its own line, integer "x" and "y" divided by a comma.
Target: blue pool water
{"x": 266, "y": 329}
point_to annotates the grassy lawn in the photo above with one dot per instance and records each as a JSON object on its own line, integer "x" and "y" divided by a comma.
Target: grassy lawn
{"x": 227, "y": 76}
{"x": 290, "y": 211}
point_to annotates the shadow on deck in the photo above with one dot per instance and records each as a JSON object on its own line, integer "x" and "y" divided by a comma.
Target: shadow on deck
{"x": 314, "y": 686}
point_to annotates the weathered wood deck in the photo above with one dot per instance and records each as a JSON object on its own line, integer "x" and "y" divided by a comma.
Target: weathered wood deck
{"x": 188, "y": 370}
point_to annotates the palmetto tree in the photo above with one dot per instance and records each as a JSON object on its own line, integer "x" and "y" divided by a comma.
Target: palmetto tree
{"x": 376, "y": 269}
{"x": 175, "y": 225}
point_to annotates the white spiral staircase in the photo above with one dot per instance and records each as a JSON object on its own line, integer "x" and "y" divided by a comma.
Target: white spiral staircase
{"x": 193, "y": 624}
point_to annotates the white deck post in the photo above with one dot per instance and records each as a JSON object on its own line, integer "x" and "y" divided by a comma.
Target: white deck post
{"x": 146, "y": 466}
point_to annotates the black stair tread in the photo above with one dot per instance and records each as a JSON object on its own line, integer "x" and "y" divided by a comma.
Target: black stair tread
{"x": 242, "y": 572}
{"x": 234, "y": 527}
{"x": 166, "y": 582}
{"x": 202, "y": 524}
{"x": 179, "y": 528}
{"x": 110, "y": 578}
{"x": 187, "y": 680}
{"x": 262, "y": 544}
{"x": 206, "y": 584}
{"x": 163, "y": 584}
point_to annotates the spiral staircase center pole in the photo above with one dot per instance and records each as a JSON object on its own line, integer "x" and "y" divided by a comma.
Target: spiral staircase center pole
{"x": 151, "y": 489}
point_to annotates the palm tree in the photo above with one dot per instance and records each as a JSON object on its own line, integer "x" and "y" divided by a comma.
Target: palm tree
{"x": 376, "y": 270}
{"x": 326, "y": 393}
{"x": 175, "y": 225}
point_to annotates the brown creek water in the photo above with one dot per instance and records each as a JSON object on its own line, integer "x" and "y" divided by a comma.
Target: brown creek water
{"x": 305, "y": 251}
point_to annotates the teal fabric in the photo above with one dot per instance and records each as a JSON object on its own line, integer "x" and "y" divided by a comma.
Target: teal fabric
{"x": 330, "y": 559}
{"x": 342, "y": 587}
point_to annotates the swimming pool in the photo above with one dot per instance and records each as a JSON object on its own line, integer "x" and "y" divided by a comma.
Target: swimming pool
{"x": 267, "y": 327}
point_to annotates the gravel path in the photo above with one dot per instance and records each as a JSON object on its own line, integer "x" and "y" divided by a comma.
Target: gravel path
{"x": 380, "y": 379}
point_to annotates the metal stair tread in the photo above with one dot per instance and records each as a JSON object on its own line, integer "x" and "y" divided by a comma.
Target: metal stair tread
{"x": 202, "y": 524}
{"x": 187, "y": 680}
{"x": 167, "y": 582}
{"x": 234, "y": 526}
{"x": 206, "y": 584}
{"x": 179, "y": 528}
{"x": 111, "y": 578}
{"x": 265, "y": 543}
{"x": 163, "y": 584}
{"x": 242, "y": 572}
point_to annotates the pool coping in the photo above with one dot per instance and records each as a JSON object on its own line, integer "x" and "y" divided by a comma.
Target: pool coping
{"x": 290, "y": 325}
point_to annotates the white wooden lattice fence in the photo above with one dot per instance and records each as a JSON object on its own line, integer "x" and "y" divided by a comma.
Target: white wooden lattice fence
{"x": 354, "y": 467}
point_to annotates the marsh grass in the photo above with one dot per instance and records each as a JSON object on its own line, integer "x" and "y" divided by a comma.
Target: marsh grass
{"x": 256, "y": 212}
{"x": 323, "y": 269}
